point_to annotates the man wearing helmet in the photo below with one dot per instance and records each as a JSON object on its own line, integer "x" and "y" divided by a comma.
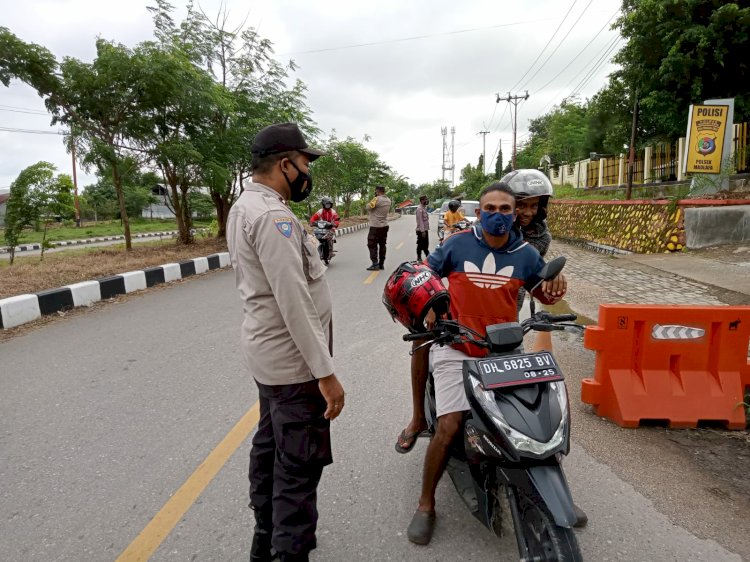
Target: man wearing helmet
{"x": 485, "y": 265}
{"x": 533, "y": 190}
{"x": 326, "y": 213}
{"x": 452, "y": 216}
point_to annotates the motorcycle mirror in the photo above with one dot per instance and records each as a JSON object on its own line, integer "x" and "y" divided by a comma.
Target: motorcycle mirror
{"x": 553, "y": 268}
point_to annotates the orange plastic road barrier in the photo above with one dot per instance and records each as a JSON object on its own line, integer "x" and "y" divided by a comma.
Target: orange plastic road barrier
{"x": 678, "y": 364}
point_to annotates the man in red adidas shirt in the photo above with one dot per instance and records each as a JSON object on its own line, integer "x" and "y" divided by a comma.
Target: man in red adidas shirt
{"x": 485, "y": 267}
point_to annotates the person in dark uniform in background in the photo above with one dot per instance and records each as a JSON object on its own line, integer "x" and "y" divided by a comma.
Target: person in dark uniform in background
{"x": 286, "y": 341}
{"x": 423, "y": 228}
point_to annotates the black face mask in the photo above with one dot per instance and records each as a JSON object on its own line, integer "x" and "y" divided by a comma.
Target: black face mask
{"x": 295, "y": 187}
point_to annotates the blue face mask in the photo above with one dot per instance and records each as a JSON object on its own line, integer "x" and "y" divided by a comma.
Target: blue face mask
{"x": 496, "y": 224}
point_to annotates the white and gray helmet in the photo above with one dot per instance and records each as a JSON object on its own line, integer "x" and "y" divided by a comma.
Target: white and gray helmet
{"x": 531, "y": 183}
{"x": 528, "y": 183}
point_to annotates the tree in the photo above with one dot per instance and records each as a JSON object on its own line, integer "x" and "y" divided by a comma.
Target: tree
{"x": 251, "y": 92}
{"x": 102, "y": 102}
{"x": 473, "y": 180}
{"x": 678, "y": 53}
{"x": 349, "y": 169}
{"x": 609, "y": 118}
{"x": 499, "y": 162}
{"x": 36, "y": 196}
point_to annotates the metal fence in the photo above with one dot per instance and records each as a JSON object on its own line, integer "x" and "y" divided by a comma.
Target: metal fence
{"x": 664, "y": 162}
{"x": 592, "y": 175}
{"x": 611, "y": 171}
{"x": 741, "y": 149}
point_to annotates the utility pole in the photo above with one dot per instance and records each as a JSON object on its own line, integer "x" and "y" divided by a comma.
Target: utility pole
{"x": 631, "y": 159}
{"x": 514, "y": 116}
{"x": 75, "y": 183}
{"x": 484, "y": 150}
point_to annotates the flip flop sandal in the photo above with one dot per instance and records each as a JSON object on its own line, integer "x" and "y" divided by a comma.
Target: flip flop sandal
{"x": 406, "y": 437}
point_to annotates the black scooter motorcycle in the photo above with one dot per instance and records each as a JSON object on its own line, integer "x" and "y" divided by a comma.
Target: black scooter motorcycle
{"x": 518, "y": 429}
{"x": 325, "y": 234}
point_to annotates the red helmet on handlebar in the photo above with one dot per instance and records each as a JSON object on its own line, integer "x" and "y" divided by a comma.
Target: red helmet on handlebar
{"x": 411, "y": 291}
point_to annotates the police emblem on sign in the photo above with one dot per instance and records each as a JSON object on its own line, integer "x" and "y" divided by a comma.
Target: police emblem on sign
{"x": 284, "y": 226}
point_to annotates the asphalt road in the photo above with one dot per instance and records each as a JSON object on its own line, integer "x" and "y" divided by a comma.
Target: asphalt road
{"x": 106, "y": 414}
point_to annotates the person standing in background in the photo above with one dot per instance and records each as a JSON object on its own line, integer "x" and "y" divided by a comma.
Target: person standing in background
{"x": 377, "y": 211}
{"x": 423, "y": 228}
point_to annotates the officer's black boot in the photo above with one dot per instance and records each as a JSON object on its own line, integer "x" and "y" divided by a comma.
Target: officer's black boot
{"x": 301, "y": 557}
{"x": 261, "y": 550}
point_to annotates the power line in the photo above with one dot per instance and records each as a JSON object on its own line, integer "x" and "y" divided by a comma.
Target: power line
{"x": 500, "y": 121}
{"x": 413, "y": 38}
{"x": 547, "y": 45}
{"x": 601, "y": 62}
{"x": 558, "y": 45}
{"x": 586, "y": 68}
{"x": 27, "y": 112}
{"x": 580, "y": 52}
{"x": 23, "y": 109}
{"x": 32, "y": 131}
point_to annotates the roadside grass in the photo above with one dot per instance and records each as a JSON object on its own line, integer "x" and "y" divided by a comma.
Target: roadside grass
{"x": 567, "y": 191}
{"x": 30, "y": 274}
{"x": 63, "y": 231}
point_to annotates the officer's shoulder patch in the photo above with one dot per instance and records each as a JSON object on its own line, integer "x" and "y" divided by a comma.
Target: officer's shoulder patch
{"x": 284, "y": 226}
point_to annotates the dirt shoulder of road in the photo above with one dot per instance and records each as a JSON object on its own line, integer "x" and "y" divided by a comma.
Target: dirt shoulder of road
{"x": 32, "y": 274}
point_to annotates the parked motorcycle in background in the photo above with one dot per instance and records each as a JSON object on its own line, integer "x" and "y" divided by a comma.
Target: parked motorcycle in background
{"x": 325, "y": 233}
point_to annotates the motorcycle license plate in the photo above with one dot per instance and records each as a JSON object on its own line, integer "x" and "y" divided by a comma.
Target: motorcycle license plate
{"x": 515, "y": 370}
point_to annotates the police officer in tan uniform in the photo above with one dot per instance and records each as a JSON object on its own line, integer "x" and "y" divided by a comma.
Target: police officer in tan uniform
{"x": 286, "y": 341}
{"x": 377, "y": 236}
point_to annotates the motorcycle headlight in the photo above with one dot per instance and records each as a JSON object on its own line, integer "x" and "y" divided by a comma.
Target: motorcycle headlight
{"x": 520, "y": 441}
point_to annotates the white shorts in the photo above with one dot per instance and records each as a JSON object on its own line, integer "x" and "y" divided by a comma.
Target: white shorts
{"x": 447, "y": 372}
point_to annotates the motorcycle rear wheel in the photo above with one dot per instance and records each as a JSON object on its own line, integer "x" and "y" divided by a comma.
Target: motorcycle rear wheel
{"x": 546, "y": 541}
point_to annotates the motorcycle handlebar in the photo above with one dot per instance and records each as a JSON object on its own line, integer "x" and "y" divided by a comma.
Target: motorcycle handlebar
{"x": 563, "y": 318}
{"x": 417, "y": 337}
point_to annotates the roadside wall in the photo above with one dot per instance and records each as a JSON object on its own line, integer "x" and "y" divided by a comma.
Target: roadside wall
{"x": 717, "y": 225}
{"x": 647, "y": 227}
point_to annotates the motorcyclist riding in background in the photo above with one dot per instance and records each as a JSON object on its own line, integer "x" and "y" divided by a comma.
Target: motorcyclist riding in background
{"x": 452, "y": 216}
{"x": 326, "y": 213}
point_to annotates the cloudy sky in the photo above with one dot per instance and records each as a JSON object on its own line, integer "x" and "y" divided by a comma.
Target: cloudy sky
{"x": 397, "y": 71}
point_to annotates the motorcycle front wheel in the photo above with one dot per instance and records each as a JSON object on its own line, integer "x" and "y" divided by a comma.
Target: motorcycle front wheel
{"x": 546, "y": 541}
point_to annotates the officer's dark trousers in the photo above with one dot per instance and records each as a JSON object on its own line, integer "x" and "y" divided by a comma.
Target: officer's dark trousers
{"x": 290, "y": 449}
{"x": 376, "y": 239}
{"x": 423, "y": 244}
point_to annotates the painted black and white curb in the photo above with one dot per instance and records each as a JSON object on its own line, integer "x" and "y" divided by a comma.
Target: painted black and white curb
{"x": 348, "y": 229}
{"x": 18, "y": 310}
{"x": 21, "y": 309}
{"x": 59, "y": 243}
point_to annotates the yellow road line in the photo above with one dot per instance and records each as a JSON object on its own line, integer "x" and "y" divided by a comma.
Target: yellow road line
{"x": 163, "y": 522}
{"x": 401, "y": 245}
{"x": 371, "y": 277}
